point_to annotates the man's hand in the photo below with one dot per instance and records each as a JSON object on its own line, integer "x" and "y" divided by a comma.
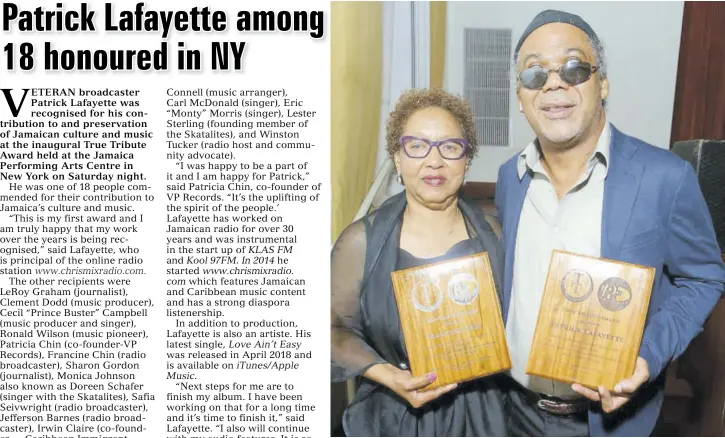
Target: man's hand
{"x": 622, "y": 391}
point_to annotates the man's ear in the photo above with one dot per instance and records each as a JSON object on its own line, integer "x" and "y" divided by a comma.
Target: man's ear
{"x": 518, "y": 96}
{"x": 605, "y": 88}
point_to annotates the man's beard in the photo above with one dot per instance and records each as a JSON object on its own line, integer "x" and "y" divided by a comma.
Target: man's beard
{"x": 562, "y": 134}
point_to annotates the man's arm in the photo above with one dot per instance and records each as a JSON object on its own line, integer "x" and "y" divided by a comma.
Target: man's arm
{"x": 696, "y": 271}
{"x": 695, "y": 268}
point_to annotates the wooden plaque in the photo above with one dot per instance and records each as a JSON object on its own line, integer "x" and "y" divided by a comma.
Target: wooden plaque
{"x": 451, "y": 320}
{"x": 590, "y": 321}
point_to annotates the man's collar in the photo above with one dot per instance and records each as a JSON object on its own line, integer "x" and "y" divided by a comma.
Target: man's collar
{"x": 528, "y": 159}
{"x": 530, "y": 156}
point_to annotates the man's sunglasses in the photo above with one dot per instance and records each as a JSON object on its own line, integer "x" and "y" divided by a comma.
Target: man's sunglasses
{"x": 573, "y": 72}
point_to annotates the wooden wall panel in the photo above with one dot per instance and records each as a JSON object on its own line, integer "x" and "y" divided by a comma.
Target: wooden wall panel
{"x": 700, "y": 91}
{"x": 699, "y": 113}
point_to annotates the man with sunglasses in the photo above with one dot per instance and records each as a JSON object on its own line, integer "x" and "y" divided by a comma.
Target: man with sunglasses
{"x": 585, "y": 187}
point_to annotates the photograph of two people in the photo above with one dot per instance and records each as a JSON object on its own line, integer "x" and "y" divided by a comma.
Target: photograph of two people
{"x": 579, "y": 149}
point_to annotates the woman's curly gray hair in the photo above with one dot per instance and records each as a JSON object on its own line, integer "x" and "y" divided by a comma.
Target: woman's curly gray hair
{"x": 413, "y": 100}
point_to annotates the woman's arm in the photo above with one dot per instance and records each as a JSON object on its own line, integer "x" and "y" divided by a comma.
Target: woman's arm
{"x": 405, "y": 385}
{"x": 351, "y": 355}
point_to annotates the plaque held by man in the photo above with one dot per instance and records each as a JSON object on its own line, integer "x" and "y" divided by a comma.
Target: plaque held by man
{"x": 451, "y": 320}
{"x": 590, "y": 321}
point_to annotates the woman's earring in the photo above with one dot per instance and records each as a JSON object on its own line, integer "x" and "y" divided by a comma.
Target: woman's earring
{"x": 400, "y": 179}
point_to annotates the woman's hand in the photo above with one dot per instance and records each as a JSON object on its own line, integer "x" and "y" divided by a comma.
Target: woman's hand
{"x": 405, "y": 385}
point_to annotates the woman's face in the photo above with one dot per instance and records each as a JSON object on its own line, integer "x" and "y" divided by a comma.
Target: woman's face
{"x": 433, "y": 180}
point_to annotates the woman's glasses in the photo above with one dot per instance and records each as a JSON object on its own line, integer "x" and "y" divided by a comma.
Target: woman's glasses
{"x": 449, "y": 148}
{"x": 573, "y": 72}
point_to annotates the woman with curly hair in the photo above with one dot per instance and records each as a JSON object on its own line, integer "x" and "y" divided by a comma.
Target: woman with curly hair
{"x": 431, "y": 139}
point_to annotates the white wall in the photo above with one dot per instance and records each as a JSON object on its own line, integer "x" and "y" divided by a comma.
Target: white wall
{"x": 641, "y": 40}
{"x": 402, "y": 22}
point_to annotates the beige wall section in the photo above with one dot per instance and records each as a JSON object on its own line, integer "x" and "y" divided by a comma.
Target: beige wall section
{"x": 437, "y": 43}
{"x": 356, "y": 33}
